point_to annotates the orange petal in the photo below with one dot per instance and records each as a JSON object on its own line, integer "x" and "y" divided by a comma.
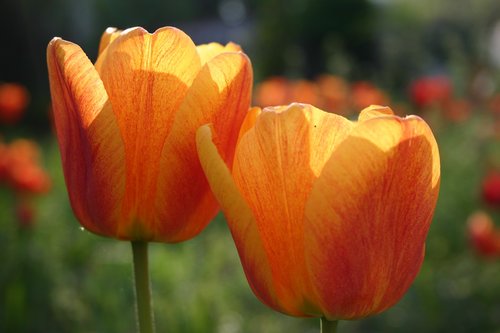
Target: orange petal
{"x": 374, "y": 111}
{"x": 377, "y": 193}
{"x": 147, "y": 77}
{"x": 239, "y": 216}
{"x": 249, "y": 121}
{"x": 275, "y": 165}
{"x": 91, "y": 148}
{"x": 211, "y": 50}
{"x": 109, "y": 35}
{"x": 219, "y": 95}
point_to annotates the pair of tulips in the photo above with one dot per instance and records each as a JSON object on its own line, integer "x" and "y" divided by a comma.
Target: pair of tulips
{"x": 329, "y": 215}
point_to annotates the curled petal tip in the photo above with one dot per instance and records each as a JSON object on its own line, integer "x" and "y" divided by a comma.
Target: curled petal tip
{"x": 110, "y": 30}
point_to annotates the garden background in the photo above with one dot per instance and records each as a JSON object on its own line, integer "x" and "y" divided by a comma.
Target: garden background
{"x": 56, "y": 277}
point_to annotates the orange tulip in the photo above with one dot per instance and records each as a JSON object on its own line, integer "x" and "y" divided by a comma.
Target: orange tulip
{"x": 329, "y": 216}
{"x": 126, "y": 129}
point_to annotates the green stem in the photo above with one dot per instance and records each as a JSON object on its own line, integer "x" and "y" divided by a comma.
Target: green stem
{"x": 328, "y": 326}
{"x": 142, "y": 288}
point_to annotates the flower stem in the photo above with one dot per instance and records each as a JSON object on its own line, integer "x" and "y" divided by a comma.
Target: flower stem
{"x": 328, "y": 326}
{"x": 142, "y": 288}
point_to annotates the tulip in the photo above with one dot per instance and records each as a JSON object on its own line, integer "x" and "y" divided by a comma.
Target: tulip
{"x": 126, "y": 128}
{"x": 329, "y": 216}
{"x": 483, "y": 236}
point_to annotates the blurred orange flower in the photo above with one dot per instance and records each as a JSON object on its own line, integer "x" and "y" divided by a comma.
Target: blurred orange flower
{"x": 364, "y": 94}
{"x": 14, "y": 99}
{"x": 329, "y": 216}
{"x": 303, "y": 91}
{"x": 126, "y": 128}
{"x": 483, "y": 236}
{"x": 334, "y": 94}
{"x": 273, "y": 91}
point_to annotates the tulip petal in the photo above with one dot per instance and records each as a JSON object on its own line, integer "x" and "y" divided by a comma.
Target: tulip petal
{"x": 377, "y": 193}
{"x": 219, "y": 95}
{"x": 211, "y": 50}
{"x": 109, "y": 35}
{"x": 147, "y": 77}
{"x": 240, "y": 218}
{"x": 249, "y": 121}
{"x": 275, "y": 165}
{"x": 374, "y": 111}
{"x": 91, "y": 148}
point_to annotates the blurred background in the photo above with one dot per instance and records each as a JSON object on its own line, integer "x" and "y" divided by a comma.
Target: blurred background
{"x": 439, "y": 59}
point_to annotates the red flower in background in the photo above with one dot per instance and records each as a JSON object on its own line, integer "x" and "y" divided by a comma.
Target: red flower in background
{"x": 430, "y": 91}
{"x": 483, "y": 236}
{"x": 491, "y": 188}
{"x": 14, "y": 99}
{"x": 20, "y": 167}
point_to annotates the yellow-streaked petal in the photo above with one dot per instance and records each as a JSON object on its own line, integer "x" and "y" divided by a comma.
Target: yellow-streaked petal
{"x": 377, "y": 193}
{"x": 211, "y": 50}
{"x": 147, "y": 77}
{"x": 239, "y": 216}
{"x": 219, "y": 95}
{"x": 91, "y": 148}
{"x": 108, "y": 36}
{"x": 275, "y": 165}
{"x": 374, "y": 111}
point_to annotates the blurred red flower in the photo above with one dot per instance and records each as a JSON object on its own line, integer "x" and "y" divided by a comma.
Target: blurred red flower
{"x": 457, "y": 110}
{"x": 430, "y": 91}
{"x": 491, "y": 188}
{"x": 20, "y": 167}
{"x": 483, "y": 236}
{"x": 14, "y": 99}
{"x": 25, "y": 213}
